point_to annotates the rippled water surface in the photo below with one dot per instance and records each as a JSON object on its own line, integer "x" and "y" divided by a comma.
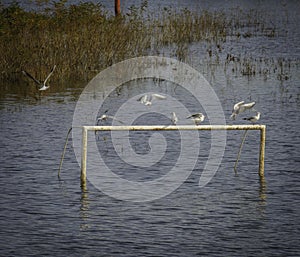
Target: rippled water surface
{"x": 234, "y": 215}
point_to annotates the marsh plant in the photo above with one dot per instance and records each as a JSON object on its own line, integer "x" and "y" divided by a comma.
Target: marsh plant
{"x": 84, "y": 39}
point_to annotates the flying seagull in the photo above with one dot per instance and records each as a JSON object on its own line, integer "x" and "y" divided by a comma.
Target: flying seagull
{"x": 105, "y": 117}
{"x": 174, "y": 118}
{"x": 240, "y": 107}
{"x": 148, "y": 98}
{"x": 197, "y": 117}
{"x": 42, "y": 85}
{"x": 254, "y": 119}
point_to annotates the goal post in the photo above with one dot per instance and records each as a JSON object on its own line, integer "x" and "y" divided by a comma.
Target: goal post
{"x": 85, "y": 130}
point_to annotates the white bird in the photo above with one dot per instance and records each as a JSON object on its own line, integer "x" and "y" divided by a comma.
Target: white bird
{"x": 105, "y": 117}
{"x": 174, "y": 118}
{"x": 197, "y": 117}
{"x": 42, "y": 85}
{"x": 254, "y": 119}
{"x": 147, "y": 99}
{"x": 240, "y": 107}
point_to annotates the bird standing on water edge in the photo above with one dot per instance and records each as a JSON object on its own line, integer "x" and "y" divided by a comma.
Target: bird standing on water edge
{"x": 42, "y": 85}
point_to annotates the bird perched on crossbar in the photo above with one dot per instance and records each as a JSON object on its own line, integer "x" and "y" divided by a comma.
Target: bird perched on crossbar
{"x": 197, "y": 118}
{"x": 174, "y": 118}
{"x": 254, "y": 119}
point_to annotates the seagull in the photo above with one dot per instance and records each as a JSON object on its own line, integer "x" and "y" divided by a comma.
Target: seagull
{"x": 42, "y": 85}
{"x": 241, "y": 107}
{"x": 105, "y": 117}
{"x": 255, "y": 118}
{"x": 174, "y": 118}
{"x": 147, "y": 99}
{"x": 197, "y": 117}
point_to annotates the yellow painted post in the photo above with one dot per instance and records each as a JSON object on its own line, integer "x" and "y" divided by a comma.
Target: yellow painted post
{"x": 84, "y": 156}
{"x": 262, "y": 150}
{"x": 174, "y": 127}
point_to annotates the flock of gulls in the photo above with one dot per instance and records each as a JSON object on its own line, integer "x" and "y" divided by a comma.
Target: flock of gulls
{"x": 148, "y": 99}
{"x": 198, "y": 118}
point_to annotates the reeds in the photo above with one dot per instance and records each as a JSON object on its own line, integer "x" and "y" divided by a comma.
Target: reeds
{"x": 83, "y": 39}
{"x": 80, "y": 39}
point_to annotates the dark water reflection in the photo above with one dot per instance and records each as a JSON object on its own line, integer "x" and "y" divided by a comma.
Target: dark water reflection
{"x": 234, "y": 215}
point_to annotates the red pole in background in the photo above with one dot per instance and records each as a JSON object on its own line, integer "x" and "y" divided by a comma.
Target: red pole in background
{"x": 117, "y": 7}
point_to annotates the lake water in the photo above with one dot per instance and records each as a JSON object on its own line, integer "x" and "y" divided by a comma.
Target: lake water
{"x": 233, "y": 215}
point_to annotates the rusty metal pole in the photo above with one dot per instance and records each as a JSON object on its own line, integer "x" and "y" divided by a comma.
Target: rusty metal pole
{"x": 117, "y": 7}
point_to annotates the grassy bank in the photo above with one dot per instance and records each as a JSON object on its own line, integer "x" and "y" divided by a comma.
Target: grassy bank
{"x": 83, "y": 39}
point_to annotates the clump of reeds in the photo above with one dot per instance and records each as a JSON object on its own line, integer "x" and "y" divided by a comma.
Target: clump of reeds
{"x": 83, "y": 39}
{"x": 80, "y": 39}
{"x": 249, "y": 66}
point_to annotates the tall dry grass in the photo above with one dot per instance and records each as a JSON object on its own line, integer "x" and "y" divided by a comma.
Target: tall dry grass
{"x": 83, "y": 39}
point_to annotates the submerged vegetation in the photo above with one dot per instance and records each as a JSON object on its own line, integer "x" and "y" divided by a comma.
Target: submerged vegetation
{"x": 84, "y": 39}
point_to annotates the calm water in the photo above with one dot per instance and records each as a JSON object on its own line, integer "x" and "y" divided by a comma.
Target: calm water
{"x": 234, "y": 215}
